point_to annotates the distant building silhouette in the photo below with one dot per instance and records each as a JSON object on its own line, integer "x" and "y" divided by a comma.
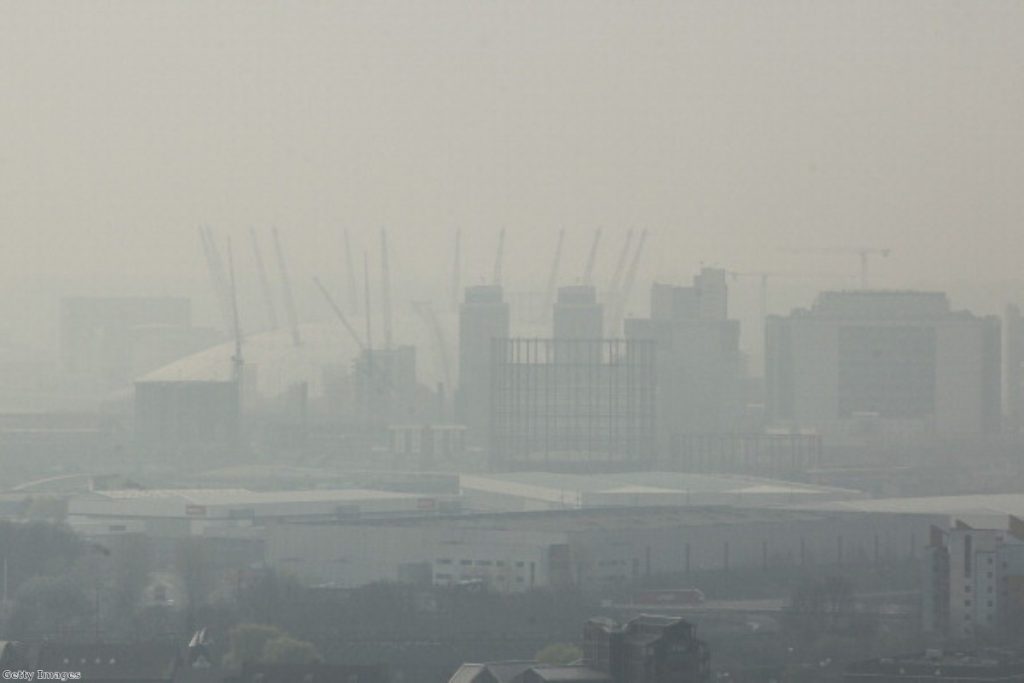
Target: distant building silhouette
{"x": 902, "y": 360}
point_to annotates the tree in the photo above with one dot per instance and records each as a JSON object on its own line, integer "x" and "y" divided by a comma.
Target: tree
{"x": 193, "y": 565}
{"x": 46, "y": 606}
{"x": 559, "y": 653}
{"x": 259, "y": 643}
{"x": 288, "y": 650}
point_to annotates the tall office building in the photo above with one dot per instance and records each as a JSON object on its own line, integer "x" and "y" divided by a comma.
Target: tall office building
{"x": 901, "y": 358}
{"x": 577, "y": 316}
{"x": 1013, "y": 362}
{"x": 483, "y": 317}
{"x": 698, "y": 359}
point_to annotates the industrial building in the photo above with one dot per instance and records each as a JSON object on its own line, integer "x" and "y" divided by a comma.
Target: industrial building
{"x": 523, "y": 491}
{"x": 902, "y": 361}
{"x": 592, "y": 549}
{"x": 182, "y": 513}
{"x": 699, "y": 364}
{"x": 787, "y": 455}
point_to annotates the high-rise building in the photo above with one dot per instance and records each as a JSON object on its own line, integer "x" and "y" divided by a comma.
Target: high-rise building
{"x": 572, "y": 404}
{"x": 483, "y": 317}
{"x": 699, "y": 363}
{"x": 901, "y": 358}
{"x": 385, "y": 386}
{"x": 1013, "y": 362}
{"x": 577, "y": 314}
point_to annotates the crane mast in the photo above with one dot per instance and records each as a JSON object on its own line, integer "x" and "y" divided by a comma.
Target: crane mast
{"x": 268, "y": 294}
{"x": 289, "y": 302}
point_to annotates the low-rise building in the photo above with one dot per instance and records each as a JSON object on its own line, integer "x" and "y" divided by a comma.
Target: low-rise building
{"x": 593, "y": 549}
{"x": 974, "y": 579}
{"x": 936, "y": 665}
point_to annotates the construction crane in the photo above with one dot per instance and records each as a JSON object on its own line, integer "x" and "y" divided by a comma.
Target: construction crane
{"x": 457, "y": 270}
{"x": 237, "y": 362}
{"x": 620, "y": 267}
{"x": 622, "y": 296}
{"x": 764, "y": 277}
{"x": 549, "y": 292}
{"x": 268, "y": 294}
{"x": 218, "y": 280}
{"x": 338, "y": 312}
{"x": 289, "y": 302}
{"x": 353, "y": 291}
{"x": 588, "y": 273}
{"x": 425, "y": 310}
{"x": 862, "y": 252}
{"x": 385, "y": 288}
{"x": 496, "y": 278}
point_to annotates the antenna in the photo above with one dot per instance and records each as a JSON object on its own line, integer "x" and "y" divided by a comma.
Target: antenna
{"x": 268, "y": 294}
{"x": 289, "y": 302}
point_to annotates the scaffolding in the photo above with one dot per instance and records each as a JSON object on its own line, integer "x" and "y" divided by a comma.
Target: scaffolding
{"x": 572, "y": 404}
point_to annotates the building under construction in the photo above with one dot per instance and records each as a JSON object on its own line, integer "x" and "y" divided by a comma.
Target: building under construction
{"x": 572, "y": 404}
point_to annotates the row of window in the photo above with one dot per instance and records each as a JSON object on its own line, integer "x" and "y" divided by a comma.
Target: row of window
{"x": 480, "y": 563}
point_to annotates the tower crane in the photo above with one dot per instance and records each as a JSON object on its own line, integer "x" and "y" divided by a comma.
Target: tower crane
{"x": 289, "y": 301}
{"x": 864, "y": 253}
{"x": 549, "y": 291}
{"x": 499, "y": 258}
{"x": 268, "y": 294}
{"x": 588, "y": 274}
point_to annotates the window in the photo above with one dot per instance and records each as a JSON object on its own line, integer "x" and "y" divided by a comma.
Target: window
{"x": 465, "y": 562}
{"x": 445, "y": 560}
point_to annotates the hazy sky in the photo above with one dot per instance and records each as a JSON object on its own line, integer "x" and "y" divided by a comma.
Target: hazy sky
{"x": 729, "y": 129}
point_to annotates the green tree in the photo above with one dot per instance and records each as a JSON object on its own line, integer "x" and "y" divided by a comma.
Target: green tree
{"x": 247, "y": 642}
{"x": 47, "y": 606}
{"x": 267, "y": 644}
{"x": 288, "y": 650}
{"x": 559, "y": 653}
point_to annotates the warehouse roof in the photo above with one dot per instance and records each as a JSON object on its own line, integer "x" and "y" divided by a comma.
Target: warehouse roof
{"x": 645, "y": 488}
{"x": 982, "y": 509}
{"x": 604, "y": 519}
